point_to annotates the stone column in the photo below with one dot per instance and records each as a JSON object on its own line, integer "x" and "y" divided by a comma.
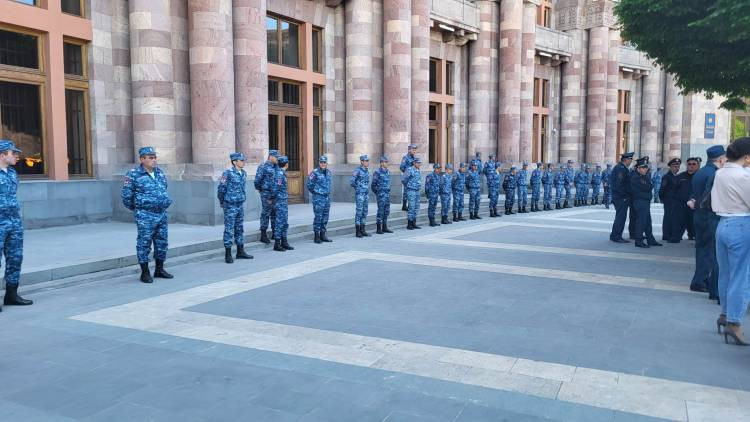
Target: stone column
{"x": 181, "y": 86}
{"x": 152, "y": 78}
{"x": 596, "y": 98}
{"x": 673, "y": 120}
{"x": 482, "y": 76}
{"x": 573, "y": 79}
{"x": 250, "y": 78}
{"x": 650, "y": 115}
{"x": 613, "y": 79}
{"x": 359, "y": 105}
{"x": 528, "y": 52}
{"x": 420, "y": 75}
{"x": 396, "y": 77}
{"x": 211, "y": 81}
{"x": 509, "y": 130}
{"x": 339, "y": 70}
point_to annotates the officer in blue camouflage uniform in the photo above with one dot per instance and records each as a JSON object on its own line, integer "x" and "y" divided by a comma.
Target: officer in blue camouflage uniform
{"x": 280, "y": 197}
{"x": 265, "y": 178}
{"x": 560, "y": 188}
{"x": 536, "y": 187}
{"x": 407, "y": 162}
{"x": 478, "y": 159}
{"x": 607, "y": 198}
{"x": 412, "y": 181}
{"x": 582, "y": 186}
{"x": 432, "y": 191}
{"x": 548, "y": 180}
{"x": 231, "y": 194}
{"x": 596, "y": 184}
{"x": 446, "y": 190}
{"x": 493, "y": 183}
{"x": 11, "y": 226}
{"x": 569, "y": 173}
{"x": 656, "y": 181}
{"x": 458, "y": 185}
{"x": 381, "y": 187}
{"x": 509, "y": 185}
{"x": 360, "y": 181}
{"x": 144, "y": 192}
{"x": 522, "y": 187}
{"x": 319, "y": 184}
{"x": 474, "y": 185}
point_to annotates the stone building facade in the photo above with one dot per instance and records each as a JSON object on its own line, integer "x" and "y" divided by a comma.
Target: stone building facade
{"x": 529, "y": 80}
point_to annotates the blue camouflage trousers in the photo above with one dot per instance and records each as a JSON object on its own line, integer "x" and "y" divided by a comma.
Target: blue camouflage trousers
{"x": 568, "y": 192}
{"x": 510, "y": 196}
{"x": 493, "y": 193}
{"x": 548, "y": 195}
{"x": 267, "y": 212}
{"x": 412, "y": 197}
{"x": 384, "y": 206}
{"x": 281, "y": 216}
{"x": 360, "y": 216}
{"x": 579, "y": 192}
{"x": 445, "y": 204}
{"x": 152, "y": 228}
{"x": 458, "y": 202}
{"x": 475, "y": 198}
{"x": 321, "y": 208}
{"x": 11, "y": 244}
{"x": 559, "y": 195}
{"x": 607, "y": 196}
{"x": 523, "y": 195}
{"x": 234, "y": 216}
{"x": 595, "y": 192}
{"x": 535, "y": 192}
{"x": 431, "y": 205}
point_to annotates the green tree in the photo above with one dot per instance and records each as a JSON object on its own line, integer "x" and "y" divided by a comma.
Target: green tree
{"x": 704, "y": 43}
{"x": 739, "y": 130}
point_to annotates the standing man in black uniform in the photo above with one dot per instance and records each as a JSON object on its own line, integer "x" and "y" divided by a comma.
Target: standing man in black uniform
{"x": 668, "y": 196}
{"x": 620, "y": 187}
{"x": 693, "y": 165}
{"x": 684, "y": 220}
{"x": 642, "y": 189}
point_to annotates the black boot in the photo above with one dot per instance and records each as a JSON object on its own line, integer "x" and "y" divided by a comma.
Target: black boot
{"x": 277, "y": 245}
{"x": 492, "y": 212}
{"x": 566, "y": 204}
{"x": 640, "y": 244}
{"x": 228, "y": 255}
{"x": 317, "y": 238}
{"x": 461, "y": 217}
{"x": 285, "y": 244}
{"x": 409, "y": 225}
{"x": 358, "y": 230}
{"x": 241, "y": 253}
{"x": 379, "y": 229}
{"x": 432, "y": 222}
{"x": 385, "y": 227}
{"x": 414, "y": 224}
{"x": 404, "y": 206}
{"x": 444, "y": 220}
{"x": 476, "y": 215}
{"x": 523, "y": 210}
{"x": 264, "y": 237}
{"x": 323, "y": 237}
{"x": 364, "y": 232}
{"x": 160, "y": 272}
{"x": 455, "y": 216}
{"x": 146, "y": 274}
{"x": 12, "y": 298}
{"x": 471, "y": 215}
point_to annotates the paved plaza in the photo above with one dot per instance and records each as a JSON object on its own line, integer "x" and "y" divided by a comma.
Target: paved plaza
{"x": 531, "y": 317}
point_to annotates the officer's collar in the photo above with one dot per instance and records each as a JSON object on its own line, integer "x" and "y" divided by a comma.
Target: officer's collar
{"x": 143, "y": 169}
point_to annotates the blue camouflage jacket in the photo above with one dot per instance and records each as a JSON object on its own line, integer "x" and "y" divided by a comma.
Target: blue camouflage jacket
{"x": 264, "y": 178}
{"x": 509, "y": 182}
{"x": 360, "y": 180}
{"x": 472, "y": 180}
{"x": 381, "y": 181}
{"x": 560, "y": 178}
{"x": 232, "y": 187}
{"x": 279, "y": 184}
{"x": 143, "y": 192}
{"x": 490, "y": 172}
{"x": 432, "y": 184}
{"x": 605, "y": 176}
{"x": 446, "y": 184}
{"x": 521, "y": 179}
{"x": 406, "y": 162}
{"x": 411, "y": 179}
{"x": 596, "y": 178}
{"x": 548, "y": 178}
{"x": 9, "y": 206}
{"x": 319, "y": 181}
{"x": 459, "y": 182}
{"x": 536, "y": 177}
{"x": 581, "y": 178}
{"x": 569, "y": 175}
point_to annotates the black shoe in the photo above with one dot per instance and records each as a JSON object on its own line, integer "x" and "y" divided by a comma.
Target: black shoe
{"x": 455, "y": 217}
{"x": 699, "y": 289}
{"x": 654, "y": 243}
{"x": 379, "y": 229}
{"x": 277, "y": 246}
{"x": 640, "y": 244}
{"x": 673, "y": 241}
{"x": 12, "y": 298}
{"x": 523, "y": 211}
{"x": 492, "y": 212}
{"x": 358, "y": 230}
{"x": 228, "y": 255}
{"x": 364, "y": 232}
{"x": 620, "y": 240}
{"x": 324, "y": 238}
{"x": 471, "y": 216}
{"x": 566, "y": 205}
{"x": 146, "y": 274}
{"x": 461, "y": 217}
{"x": 241, "y": 253}
{"x": 691, "y": 238}
{"x": 433, "y": 223}
{"x": 444, "y": 220}
{"x": 317, "y": 238}
{"x": 409, "y": 225}
{"x": 160, "y": 272}
{"x": 385, "y": 227}
{"x": 404, "y": 206}
{"x": 414, "y": 224}
{"x": 285, "y": 244}
{"x": 264, "y": 237}
{"x": 476, "y": 216}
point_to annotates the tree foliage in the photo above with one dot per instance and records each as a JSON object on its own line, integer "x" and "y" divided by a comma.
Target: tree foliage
{"x": 704, "y": 43}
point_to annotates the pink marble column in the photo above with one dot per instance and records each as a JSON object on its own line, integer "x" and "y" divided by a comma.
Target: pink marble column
{"x": 483, "y": 91}
{"x": 509, "y": 130}
{"x": 650, "y": 117}
{"x": 359, "y": 80}
{"x": 250, "y": 78}
{"x": 211, "y": 81}
{"x": 613, "y": 80}
{"x": 673, "y": 107}
{"x": 596, "y": 98}
{"x": 420, "y": 74}
{"x": 181, "y": 83}
{"x": 528, "y": 51}
{"x": 572, "y": 134}
{"x": 339, "y": 69}
{"x": 396, "y": 77}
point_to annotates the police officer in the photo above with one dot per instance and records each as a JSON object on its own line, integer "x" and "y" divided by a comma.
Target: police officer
{"x": 406, "y": 162}
{"x": 264, "y": 181}
{"x": 569, "y": 174}
{"x": 548, "y": 178}
{"x": 596, "y": 184}
{"x": 144, "y": 192}
{"x": 319, "y": 184}
{"x": 642, "y": 191}
{"x": 585, "y": 185}
{"x": 656, "y": 181}
{"x": 493, "y": 183}
{"x": 509, "y": 185}
{"x": 474, "y": 184}
{"x": 536, "y": 187}
{"x": 478, "y": 159}
{"x": 668, "y": 195}
{"x": 621, "y": 195}
{"x": 559, "y": 188}
{"x": 580, "y": 181}
{"x": 231, "y": 194}
{"x": 458, "y": 185}
{"x": 446, "y": 190}
{"x": 522, "y": 187}
{"x": 606, "y": 174}
{"x": 432, "y": 191}
{"x": 360, "y": 181}
{"x": 412, "y": 181}
{"x": 11, "y": 226}
{"x": 281, "y": 203}
{"x": 381, "y": 187}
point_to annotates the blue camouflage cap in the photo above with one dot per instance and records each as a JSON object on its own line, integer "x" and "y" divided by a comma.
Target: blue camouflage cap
{"x": 417, "y": 160}
{"x": 8, "y": 145}
{"x": 412, "y": 146}
{"x": 598, "y": 165}
{"x": 383, "y": 159}
{"x": 273, "y": 153}
{"x": 715, "y": 151}
{"x": 525, "y": 164}
{"x": 283, "y": 159}
{"x": 146, "y": 151}
{"x": 571, "y": 161}
{"x": 236, "y": 156}
{"x": 491, "y": 155}
{"x": 364, "y": 157}
{"x": 462, "y": 166}
{"x": 449, "y": 166}
{"x": 513, "y": 168}
{"x": 323, "y": 159}
{"x": 539, "y": 164}
{"x": 436, "y": 166}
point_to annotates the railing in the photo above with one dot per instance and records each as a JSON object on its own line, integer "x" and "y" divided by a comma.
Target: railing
{"x": 553, "y": 41}
{"x": 461, "y": 13}
{"x": 630, "y": 57}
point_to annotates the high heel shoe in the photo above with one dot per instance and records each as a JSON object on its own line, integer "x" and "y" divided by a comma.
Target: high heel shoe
{"x": 735, "y": 331}
{"x": 721, "y": 322}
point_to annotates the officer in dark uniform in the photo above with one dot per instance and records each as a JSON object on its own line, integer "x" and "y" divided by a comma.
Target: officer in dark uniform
{"x": 231, "y": 195}
{"x": 621, "y": 196}
{"x": 693, "y": 166}
{"x": 642, "y": 188}
{"x": 668, "y": 196}
{"x": 683, "y": 218}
